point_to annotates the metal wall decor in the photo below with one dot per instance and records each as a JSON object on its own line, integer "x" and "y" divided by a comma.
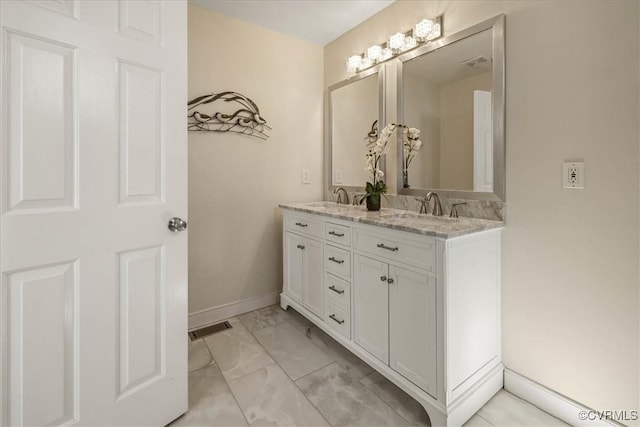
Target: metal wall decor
{"x": 247, "y": 120}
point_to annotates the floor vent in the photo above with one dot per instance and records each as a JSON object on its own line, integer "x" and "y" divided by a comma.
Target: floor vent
{"x": 209, "y": 330}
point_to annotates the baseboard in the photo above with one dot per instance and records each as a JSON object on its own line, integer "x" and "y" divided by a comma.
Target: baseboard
{"x": 223, "y": 312}
{"x": 552, "y": 402}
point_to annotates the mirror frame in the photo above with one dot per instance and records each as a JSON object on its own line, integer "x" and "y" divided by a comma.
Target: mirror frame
{"x": 380, "y": 70}
{"x": 495, "y": 24}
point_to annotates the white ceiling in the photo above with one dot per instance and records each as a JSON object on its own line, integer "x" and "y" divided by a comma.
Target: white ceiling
{"x": 317, "y": 21}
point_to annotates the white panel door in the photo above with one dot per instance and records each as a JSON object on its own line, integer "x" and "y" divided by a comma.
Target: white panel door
{"x": 482, "y": 142}
{"x": 93, "y": 307}
{"x": 312, "y": 277}
{"x": 371, "y": 306}
{"x": 293, "y": 248}
{"x": 412, "y": 327}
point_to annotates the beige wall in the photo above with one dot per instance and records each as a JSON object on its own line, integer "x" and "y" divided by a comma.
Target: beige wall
{"x": 236, "y": 182}
{"x": 570, "y": 263}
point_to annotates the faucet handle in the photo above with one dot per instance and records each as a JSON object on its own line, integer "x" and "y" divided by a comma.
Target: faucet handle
{"x": 423, "y": 204}
{"x": 454, "y": 209}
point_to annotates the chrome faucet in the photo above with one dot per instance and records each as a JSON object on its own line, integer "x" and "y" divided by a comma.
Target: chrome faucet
{"x": 340, "y": 191}
{"x": 437, "y": 207}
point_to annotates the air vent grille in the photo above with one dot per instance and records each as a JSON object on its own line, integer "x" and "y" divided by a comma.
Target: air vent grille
{"x": 209, "y": 330}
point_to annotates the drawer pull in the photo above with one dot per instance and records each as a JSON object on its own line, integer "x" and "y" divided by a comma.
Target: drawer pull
{"x": 299, "y": 224}
{"x": 383, "y": 278}
{"x": 337, "y": 291}
{"x": 300, "y": 246}
{"x": 389, "y": 248}
{"x": 333, "y": 233}
{"x": 335, "y": 319}
{"x": 337, "y": 261}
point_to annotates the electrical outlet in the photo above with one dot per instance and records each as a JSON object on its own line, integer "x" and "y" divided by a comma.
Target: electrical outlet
{"x": 306, "y": 176}
{"x": 573, "y": 175}
{"x": 338, "y": 178}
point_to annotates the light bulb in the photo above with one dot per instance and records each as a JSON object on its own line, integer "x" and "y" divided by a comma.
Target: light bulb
{"x": 353, "y": 63}
{"x": 436, "y": 32}
{"x": 410, "y": 43}
{"x": 374, "y": 52}
{"x": 423, "y": 29}
{"x": 396, "y": 41}
{"x": 386, "y": 54}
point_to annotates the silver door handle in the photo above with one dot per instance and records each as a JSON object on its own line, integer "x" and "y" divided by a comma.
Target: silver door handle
{"x": 177, "y": 224}
{"x": 389, "y": 248}
{"x": 335, "y": 319}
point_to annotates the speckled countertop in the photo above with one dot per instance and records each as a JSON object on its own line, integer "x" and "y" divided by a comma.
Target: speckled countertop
{"x": 397, "y": 219}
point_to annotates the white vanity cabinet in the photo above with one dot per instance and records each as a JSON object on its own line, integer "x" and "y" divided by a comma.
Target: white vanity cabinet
{"x": 423, "y": 310}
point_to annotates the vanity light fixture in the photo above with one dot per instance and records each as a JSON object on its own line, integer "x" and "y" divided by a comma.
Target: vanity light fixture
{"x": 423, "y": 32}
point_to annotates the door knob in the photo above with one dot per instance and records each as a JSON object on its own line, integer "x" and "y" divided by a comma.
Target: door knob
{"x": 177, "y": 224}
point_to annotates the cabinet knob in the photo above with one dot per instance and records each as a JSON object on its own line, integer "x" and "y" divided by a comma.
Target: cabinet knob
{"x": 383, "y": 278}
{"x": 300, "y": 246}
{"x": 390, "y": 280}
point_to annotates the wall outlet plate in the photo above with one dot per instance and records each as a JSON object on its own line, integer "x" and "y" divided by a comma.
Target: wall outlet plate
{"x": 573, "y": 175}
{"x": 306, "y": 176}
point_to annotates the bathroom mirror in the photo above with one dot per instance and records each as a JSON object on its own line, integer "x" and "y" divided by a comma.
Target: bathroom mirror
{"x": 355, "y": 110}
{"x": 453, "y": 91}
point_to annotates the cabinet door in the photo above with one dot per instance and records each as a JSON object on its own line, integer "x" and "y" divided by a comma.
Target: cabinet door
{"x": 412, "y": 327}
{"x": 293, "y": 245}
{"x": 312, "y": 274}
{"x": 371, "y": 306}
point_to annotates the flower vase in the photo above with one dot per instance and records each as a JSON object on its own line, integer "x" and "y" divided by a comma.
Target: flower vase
{"x": 405, "y": 178}
{"x": 371, "y": 205}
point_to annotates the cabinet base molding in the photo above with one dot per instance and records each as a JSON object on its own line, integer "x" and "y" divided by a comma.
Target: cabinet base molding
{"x": 225, "y": 311}
{"x": 455, "y": 415}
{"x": 550, "y": 401}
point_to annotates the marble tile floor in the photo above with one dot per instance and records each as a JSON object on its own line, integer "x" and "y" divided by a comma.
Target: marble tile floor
{"x": 275, "y": 368}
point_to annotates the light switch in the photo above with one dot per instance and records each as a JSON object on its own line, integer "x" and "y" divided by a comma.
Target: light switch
{"x": 573, "y": 175}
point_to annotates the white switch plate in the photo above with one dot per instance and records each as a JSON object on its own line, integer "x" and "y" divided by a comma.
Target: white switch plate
{"x": 573, "y": 175}
{"x": 306, "y": 176}
{"x": 338, "y": 179}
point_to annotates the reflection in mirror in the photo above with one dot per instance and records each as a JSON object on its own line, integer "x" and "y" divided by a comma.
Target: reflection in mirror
{"x": 448, "y": 96}
{"x": 454, "y": 95}
{"x": 355, "y": 113}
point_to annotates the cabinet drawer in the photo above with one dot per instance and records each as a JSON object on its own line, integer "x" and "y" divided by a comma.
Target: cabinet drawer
{"x": 337, "y": 261}
{"x": 337, "y": 290}
{"x": 303, "y": 225}
{"x": 338, "y": 318}
{"x": 338, "y": 234}
{"x": 418, "y": 253}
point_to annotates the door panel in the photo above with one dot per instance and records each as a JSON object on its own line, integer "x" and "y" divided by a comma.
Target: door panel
{"x": 43, "y": 311}
{"x": 93, "y": 314}
{"x": 141, "y": 136}
{"x": 141, "y": 318}
{"x": 40, "y": 161}
{"x": 313, "y": 289}
{"x": 371, "y": 306}
{"x": 293, "y": 266}
{"x": 412, "y": 327}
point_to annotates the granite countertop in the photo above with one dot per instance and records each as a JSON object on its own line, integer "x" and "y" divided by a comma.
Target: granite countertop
{"x": 398, "y": 219}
